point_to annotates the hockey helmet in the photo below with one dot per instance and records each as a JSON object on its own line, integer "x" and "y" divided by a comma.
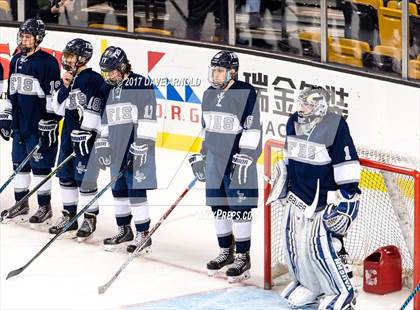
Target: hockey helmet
{"x": 313, "y": 102}
{"x": 79, "y": 47}
{"x": 226, "y": 60}
{"x": 33, "y": 26}
{"x": 113, "y": 58}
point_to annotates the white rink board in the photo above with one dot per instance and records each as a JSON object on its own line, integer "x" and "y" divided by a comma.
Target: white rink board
{"x": 382, "y": 115}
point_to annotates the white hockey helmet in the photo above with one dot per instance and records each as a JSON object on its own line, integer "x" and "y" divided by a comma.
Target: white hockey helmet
{"x": 313, "y": 103}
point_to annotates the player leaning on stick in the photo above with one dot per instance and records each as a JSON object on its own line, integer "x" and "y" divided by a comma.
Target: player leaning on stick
{"x": 33, "y": 76}
{"x": 76, "y": 101}
{"x": 227, "y": 162}
{"x": 128, "y": 135}
{"x": 320, "y": 157}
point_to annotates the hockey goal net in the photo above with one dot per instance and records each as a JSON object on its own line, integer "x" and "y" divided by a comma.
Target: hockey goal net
{"x": 389, "y": 214}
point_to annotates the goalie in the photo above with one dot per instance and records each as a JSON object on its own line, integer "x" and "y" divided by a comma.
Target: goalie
{"x": 319, "y": 157}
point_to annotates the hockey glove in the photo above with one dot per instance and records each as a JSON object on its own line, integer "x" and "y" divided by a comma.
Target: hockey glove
{"x": 103, "y": 153}
{"x": 80, "y": 140}
{"x": 240, "y": 165}
{"x": 137, "y": 154}
{"x": 279, "y": 183}
{"x": 5, "y": 125}
{"x": 338, "y": 218}
{"x": 198, "y": 165}
{"x": 47, "y": 131}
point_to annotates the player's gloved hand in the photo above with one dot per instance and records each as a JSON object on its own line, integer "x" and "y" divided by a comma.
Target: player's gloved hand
{"x": 137, "y": 154}
{"x": 80, "y": 140}
{"x": 47, "y": 132}
{"x": 338, "y": 218}
{"x": 103, "y": 153}
{"x": 5, "y": 125}
{"x": 198, "y": 165}
{"x": 240, "y": 165}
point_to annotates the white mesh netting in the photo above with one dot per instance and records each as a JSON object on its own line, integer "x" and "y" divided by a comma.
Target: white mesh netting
{"x": 386, "y": 214}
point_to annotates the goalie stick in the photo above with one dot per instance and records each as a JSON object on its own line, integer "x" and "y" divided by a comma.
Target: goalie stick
{"x": 96, "y": 197}
{"x": 20, "y": 167}
{"x": 102, "y": 289}
{"x": 409, "y": 298}
{"x": 5, "y": 213}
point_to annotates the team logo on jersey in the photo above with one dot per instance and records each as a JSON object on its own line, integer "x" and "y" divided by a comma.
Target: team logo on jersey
{"x": 241, "y": 196}
{"x": 140, "y": 177}
{"x": 220, "y": 97}
{"x": 37, "y": 156}
{"x": 80, "y": 168}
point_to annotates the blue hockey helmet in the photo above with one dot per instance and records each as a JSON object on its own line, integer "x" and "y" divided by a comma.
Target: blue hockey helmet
{"x": 114, "y": 58}
{"x": 223, "y": 59}
{"x": 79, "y": 47}
{"x": 33, "y": 26}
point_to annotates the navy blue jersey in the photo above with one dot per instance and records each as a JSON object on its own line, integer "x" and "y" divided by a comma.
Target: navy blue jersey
{"x": 128, "y": 113}
{"x": 79, "y": 103}
{"x": 231, "y": 120}
{"x": 32, "y": 81}
{"x": 326, "y": 153}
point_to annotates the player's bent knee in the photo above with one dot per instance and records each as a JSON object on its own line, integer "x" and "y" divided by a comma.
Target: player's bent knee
{"x": 119, "y": 194}
{"x": 67, "y": 183}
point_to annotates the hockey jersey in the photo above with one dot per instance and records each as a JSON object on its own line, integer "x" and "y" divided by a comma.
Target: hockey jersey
{"x": 326, "y": 153}
{"x": 231, "y": 121}
{"x": 32, "y": 81}
{"x": 128, "y": 113}
{"x": 79, "y": 103}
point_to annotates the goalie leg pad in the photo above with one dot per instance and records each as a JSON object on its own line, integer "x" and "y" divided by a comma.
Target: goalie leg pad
{"x": 298, "y": 295}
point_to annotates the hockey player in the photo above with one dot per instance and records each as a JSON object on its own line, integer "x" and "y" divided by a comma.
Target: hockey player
{"x": 33, "y": 77}
{"x": 227, "y": 162}
{"x": 128, "y": 136}
{"x": 320, "y": 157}
{"x": 76, "y": 101}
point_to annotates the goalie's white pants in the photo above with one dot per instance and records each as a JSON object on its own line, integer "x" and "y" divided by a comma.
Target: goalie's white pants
{"x": 312, "y": 260}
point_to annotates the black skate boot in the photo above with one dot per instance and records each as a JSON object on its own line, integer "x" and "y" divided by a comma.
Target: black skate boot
{"x": 225, "y": 258}
{"x": 240, "y": 268}
{"x": 42, "y": 216}
{"x": 140, "y": 236}
{"x": 88, "y": 227}
{"x": 15, "y": 214}
{"x": 70, "y": 233}
{"x": 125, "y": 234}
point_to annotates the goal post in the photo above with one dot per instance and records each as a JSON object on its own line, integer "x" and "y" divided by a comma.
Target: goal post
{"x": 389, "y": 213}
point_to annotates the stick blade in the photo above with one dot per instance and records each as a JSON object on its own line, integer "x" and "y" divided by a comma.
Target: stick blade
{"x": 102, "y": 289}
{"x": 14, "y": 273}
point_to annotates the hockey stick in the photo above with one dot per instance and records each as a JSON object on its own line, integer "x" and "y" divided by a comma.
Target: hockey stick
{"x": 20, "y": 167}
{"x": 5, "y": 213}
{"x": 102, "y": 289}
{"x": 412, "y": 295}
{"x": 74, "y": 219}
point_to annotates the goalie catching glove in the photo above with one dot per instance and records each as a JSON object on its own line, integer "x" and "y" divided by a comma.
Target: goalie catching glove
{"x": 5, "y": 125}
{"x": 47, "y": 131}
{"x": 338, "y": 218}
{"x": 198, "y": 166}
{"x": 80, "y": 139}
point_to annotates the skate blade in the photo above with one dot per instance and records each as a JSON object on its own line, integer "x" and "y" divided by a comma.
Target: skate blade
{"x": 121, "y": 247}
{"x": 38, "y": 226}
{"x": 65, "y": 236}
{"x": 246, "y": 275}
{"x": 83, "y": 239}
{"x": 216, "y": 272}
{"x": 20, "y": 219}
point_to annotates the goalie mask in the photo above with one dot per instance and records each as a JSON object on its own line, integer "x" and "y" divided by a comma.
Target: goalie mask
{"x": 114, "y": 64}
{"x": 76, "y": 54}
{"x": 223, "y": 67}
{"x": 312, "y": 104}
{"x": 34, "y": 27}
